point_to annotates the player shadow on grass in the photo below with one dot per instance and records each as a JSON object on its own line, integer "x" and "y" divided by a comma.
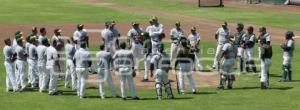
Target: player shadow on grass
{"x": 176, "y": 98}
{"x": 271, "y": 88}
{"x": 201, "y": 93}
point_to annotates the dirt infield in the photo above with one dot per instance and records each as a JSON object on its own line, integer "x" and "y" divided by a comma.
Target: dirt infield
{"x": 201, "y": 80}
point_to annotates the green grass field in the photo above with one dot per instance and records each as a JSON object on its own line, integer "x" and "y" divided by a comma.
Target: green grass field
{"x": 246, "y": 94}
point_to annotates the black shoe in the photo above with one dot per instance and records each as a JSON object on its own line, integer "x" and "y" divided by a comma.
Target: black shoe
{"x": 145, "y": 80}
{"x": 53, "y": 94}
{"x": 136, "y": 98}
{"x": 124, "y": 98}
{"x": 220, "y": 87}
{"x": 229, "y": 87}
{"x": 195, "y": 92}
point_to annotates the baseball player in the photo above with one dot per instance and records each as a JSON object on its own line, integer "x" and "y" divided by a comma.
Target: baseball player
{"x": 226, "y": 73}
{"x": 21, "y": 63}
{"x": 222, "y": 35}
{"x": 249, "y": 42}
{"x": 124, "y": 65}
{"x": 82, "y": 60}
{"x": 9, "y": 58}
{"x": 116, "y": 33}
{"x": 161, "y": 63}
{"x": 43, "y": 75}
{"x": 266, "y": 55}
{"x": 194, "y": 40}
{"x": 104, "y": 74}
{"x": 156, "y": 33}
{"x": 60, "y": 49}
{"x": 43, "y": 33}
{"x": 185, "y": 60}
{"x": 32, "y": 61}
{"x": 18, "y": 34}
{"x": 147, "y": 56}
{"x": 288, "y": 49}
{"x": 134, "y": 31}
{"x": 70, "y": 76}
{"x": 239, "y": 45}
{"x": 80, "y": 34}
{"x": 52, "y": 67}
{"x": 175, "y": 33}
{"x": 150, "y": 26}
{"x": 108, "y": 37}
{"x": 27, "y": 45}
{"x": 136, "y": 42}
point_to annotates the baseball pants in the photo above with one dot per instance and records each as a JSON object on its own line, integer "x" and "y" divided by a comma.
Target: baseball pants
{"x": 53, "y": 79}
{"x": 21, "y": 73}
{"x": 44, "y": 76}
{"x": 198, "y": 64}
{"x": 33, "y": 71}
{"x": 265, "y": 65}
{"x": 161, "y": 80}
{"x": 137, "y": 50}
{"x": 241, "y": 55}
{"x": 125, "y": 74}
{"x": 82, "y": 75}
{"x": 10, "y": 76}
{"x": 70, "y": 76}
{"x": 147, "y": 60}
{"x": 154, "y": 46}
{"x": 173, "y": 53}
{"x": 185, "y": 69}
{"x": 227, "y": 66}
{"x": 217, "y": 60}
{"x": 105, "y": 75}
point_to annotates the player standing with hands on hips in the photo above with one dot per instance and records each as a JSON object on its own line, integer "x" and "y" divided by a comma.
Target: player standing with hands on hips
{"x": 288, "y": 49}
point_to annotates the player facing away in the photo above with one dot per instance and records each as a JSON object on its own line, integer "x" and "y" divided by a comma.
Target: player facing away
{"x": 70, "y": 75}
{"x": 185, "y": 60}
{"x": 9, "y": 58}
{"x": 124, "y": 65}
{"x": 43, "y": 74}
{"x": 161, "y": 63}
{"x": 226, "y": 74}
{"x": 104, "y": 74}
{"x": 288, "y": 49}
{"x": 52, "y": 67}
{"x": 21, "y": 62}
{"x": 83, "y": 61}
{"x": 32, "y": 61}
{"x": 265, "y": 56}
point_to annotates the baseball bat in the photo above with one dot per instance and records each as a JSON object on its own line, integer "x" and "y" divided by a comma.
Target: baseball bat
{"x": 177, "y": 85}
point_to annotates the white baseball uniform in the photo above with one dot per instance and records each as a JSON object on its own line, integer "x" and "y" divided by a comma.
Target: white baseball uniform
{"x": 155, "y": 34}
{"x": 162, "y": 62}
{"x": 43, "y": 75}
{"x": 21, "y": 66}
{"x": 70, "y": 76}
{"x": 104, "y": 73}
{"x": 82, "y": 59}
{"x": 194, "y": 39}
{"x": 33, "y": 67}
{"x": 175, "y": 34}
{"x": 124, "y": 63}
{"x": 266, "y": 61}
{"x": 52, "y": 68}
{"x": 109, "y": 40}
{"x": 10, "y": 68}
{"x": 136, "y": 45}
{"x": 223, "y": 35}
{"x": 227, "y": 65}
{"x": 77, "y": 36}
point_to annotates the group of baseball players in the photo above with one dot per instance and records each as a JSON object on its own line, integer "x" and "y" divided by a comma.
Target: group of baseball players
{"x": 47, "y": 58}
